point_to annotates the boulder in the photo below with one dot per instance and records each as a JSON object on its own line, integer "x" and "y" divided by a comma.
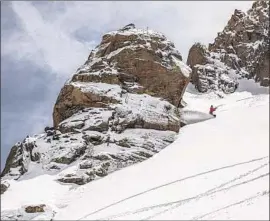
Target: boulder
{"x": 4, "y": 187}
{"x": 129, "y": 58}
{"x": 35, "y": 209}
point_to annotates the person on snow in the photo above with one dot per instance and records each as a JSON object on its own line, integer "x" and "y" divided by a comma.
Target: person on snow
{"x": 212, "y": 109}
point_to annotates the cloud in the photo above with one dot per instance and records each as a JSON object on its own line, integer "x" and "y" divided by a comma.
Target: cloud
{"x": 182, "y": 21}
{"x": 43, "y": 43}
{"x": 27, "y": 97}
{"x": 48, "y": 28}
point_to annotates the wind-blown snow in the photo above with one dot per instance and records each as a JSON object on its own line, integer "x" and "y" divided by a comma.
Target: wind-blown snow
{"x": 251, "y": 86}
{"x": 216, "y": 169}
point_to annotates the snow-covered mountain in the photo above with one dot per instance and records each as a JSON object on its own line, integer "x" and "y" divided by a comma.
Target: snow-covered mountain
{"x": 119, "y": 108}
{"x": 240, "y": 51}
{"x": 216, "y": 169}
{"x": 105, "y": 156}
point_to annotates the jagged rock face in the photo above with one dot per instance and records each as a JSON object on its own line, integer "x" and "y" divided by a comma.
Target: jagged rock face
{"x": 241, "y": 50}
{"x": 20, "y": 156}
{"x": 92, "y": 153}
{"x": 118, "y": 109}
{"x": 4, "y": 188}
{"x": 126, "y": 61}
{"x": 208, "y": 72}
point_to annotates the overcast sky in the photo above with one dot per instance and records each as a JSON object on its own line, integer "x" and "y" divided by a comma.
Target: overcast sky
{"x": 43, "y": 43}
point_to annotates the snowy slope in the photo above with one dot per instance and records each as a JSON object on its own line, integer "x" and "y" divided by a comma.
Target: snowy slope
{"x": 216, "y": 169}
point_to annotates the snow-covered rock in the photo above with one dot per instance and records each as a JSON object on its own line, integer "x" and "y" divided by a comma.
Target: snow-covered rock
{"x": 240, "y": 51}
{"x": 4, "y": 187}
{"x": 127, "y": 61}
{"x": 119, "y": 108}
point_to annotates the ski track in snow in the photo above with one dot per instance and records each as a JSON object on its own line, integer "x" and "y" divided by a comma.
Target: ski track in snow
{"x": 234, "y": 204}
{"x": 210, "y": 192}
{"x": 171, "y": 205}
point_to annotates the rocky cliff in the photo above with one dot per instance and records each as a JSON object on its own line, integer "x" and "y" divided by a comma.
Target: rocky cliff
{"x": 119, "y": 108}
{"x": 240, "y": 51}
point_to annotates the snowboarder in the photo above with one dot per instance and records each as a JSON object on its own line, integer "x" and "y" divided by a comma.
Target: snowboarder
{"x": 212, "y": 109}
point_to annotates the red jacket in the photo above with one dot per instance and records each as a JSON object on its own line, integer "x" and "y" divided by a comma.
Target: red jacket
{"x": 212, "y": 109}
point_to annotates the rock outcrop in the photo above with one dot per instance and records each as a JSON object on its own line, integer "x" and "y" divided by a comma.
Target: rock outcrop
{"x": 119, "y": 108}
{"x": 126, "y": 61}
{"x": 4, "y": 187}
{"x": 240, "y": 51}
{"x": 29, "y": 212}
{"x": 35, "y": 209}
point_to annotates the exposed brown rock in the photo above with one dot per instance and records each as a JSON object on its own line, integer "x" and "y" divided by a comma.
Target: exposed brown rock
{"x": 262, "y": 70}
{"x": 138, "y": 60}
{"x": 197, "y": 55}
{"x": 35, "y": 209}
{"x": 3, "y": 188}
{"x": 74, "y": 179}
{"x": 71, "y": 99}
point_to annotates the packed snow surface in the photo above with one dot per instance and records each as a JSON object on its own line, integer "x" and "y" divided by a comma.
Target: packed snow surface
{"x": 216, "y": 169}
